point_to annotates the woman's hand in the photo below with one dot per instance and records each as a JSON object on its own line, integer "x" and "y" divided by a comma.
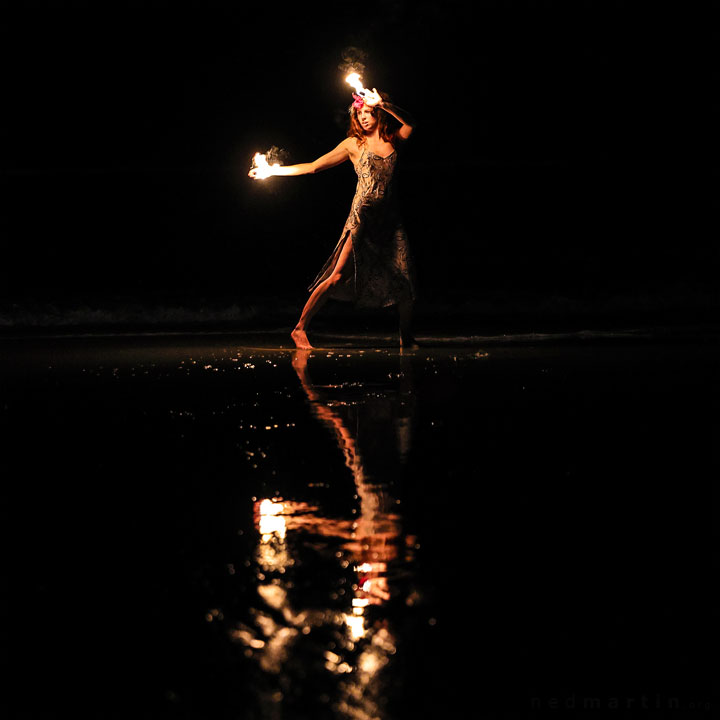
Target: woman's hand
{"x": 261, "y": 169}
{"x": 260, "y": 173}
{"x": 373, "y": 99}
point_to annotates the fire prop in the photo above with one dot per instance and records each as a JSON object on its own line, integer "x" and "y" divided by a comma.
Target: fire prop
{"x": 262, "y": 169}
{"x": 369, "y": 97}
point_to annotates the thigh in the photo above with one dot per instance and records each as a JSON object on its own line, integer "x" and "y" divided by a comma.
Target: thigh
{"x": 345, "y": 255}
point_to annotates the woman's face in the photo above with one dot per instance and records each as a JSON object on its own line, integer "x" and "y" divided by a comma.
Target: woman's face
{"x": 367, "y": 119}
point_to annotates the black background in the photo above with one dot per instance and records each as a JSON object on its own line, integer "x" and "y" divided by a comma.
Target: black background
{"x": 546, "y": 172}
{"x": 548, "y": 175}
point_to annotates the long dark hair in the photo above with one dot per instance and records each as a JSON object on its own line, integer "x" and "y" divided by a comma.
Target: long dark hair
{"x": 387, "y": 124}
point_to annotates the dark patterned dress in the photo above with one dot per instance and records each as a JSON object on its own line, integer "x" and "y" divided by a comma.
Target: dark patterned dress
{"x": 380, "y": 271}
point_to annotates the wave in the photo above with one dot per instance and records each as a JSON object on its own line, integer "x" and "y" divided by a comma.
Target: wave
{"x": 526, "y": 318}
{"x": 135, "y": 314}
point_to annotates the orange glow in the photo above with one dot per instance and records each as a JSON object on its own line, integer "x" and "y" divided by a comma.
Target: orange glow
{"x": 353, "y": 79}
{"x": 262, "y": 168}
{"x": 370, "y": 97}
{"x": 356, "y": 625}
{"x": 270, "y": 520}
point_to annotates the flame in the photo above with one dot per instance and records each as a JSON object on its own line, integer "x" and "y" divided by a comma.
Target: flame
{"x": 370, "y": 97}
{"x": 263, "y": 168}
{"x": 353, "y": 79}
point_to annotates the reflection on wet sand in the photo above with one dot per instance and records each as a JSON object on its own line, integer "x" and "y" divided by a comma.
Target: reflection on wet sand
{"x": 327, "y": 659}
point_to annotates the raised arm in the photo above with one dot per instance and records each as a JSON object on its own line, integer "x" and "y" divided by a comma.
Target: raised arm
{"x": 336, "y": 156}
{"x": 402, "y": 116}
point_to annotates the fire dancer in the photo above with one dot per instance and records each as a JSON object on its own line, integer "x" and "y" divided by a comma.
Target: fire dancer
{"x": 371, "y": 264}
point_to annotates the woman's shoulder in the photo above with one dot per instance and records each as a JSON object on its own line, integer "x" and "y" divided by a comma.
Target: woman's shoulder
{"x": 353, "y": 146}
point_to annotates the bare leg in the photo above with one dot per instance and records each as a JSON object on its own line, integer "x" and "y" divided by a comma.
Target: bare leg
{"x": 318, "y": 298}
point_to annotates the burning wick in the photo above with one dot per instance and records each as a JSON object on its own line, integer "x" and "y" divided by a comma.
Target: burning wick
{"x": 370, "y": 98}
{"x": 262, "y": 168}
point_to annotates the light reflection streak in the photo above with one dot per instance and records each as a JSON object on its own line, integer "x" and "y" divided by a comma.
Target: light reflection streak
{"x": 357, "y": 638}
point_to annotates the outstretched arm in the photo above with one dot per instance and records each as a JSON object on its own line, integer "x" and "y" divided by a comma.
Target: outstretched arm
{"x": 336, "y": 156}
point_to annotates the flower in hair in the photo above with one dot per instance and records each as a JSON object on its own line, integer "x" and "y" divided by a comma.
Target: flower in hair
{"x": 358, "y": 102}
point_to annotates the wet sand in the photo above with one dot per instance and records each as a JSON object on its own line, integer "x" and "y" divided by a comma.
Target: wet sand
{"x": 215, "y": 525}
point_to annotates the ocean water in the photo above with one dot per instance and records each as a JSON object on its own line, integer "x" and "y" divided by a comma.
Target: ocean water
{"x": 218, "y": 526}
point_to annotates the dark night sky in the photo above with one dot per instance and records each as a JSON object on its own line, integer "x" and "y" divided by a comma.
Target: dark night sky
{"x": 545, "y": 161}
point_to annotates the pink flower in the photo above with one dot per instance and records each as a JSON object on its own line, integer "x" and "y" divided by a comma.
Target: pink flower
{"x": 358, "y": 103}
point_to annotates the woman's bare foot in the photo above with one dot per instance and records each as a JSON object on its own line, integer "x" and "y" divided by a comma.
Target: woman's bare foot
{"x": 300, "y": 339}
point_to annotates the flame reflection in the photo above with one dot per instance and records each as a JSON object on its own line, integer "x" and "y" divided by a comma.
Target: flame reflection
{"x": 332, "y": 628}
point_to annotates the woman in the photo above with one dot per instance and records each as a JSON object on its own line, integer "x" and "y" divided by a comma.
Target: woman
{"x": 371, "y": 264}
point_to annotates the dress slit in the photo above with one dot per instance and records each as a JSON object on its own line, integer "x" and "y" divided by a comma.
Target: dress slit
{"x": 329, "y": 266}
{"x": 382, "y": 273}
